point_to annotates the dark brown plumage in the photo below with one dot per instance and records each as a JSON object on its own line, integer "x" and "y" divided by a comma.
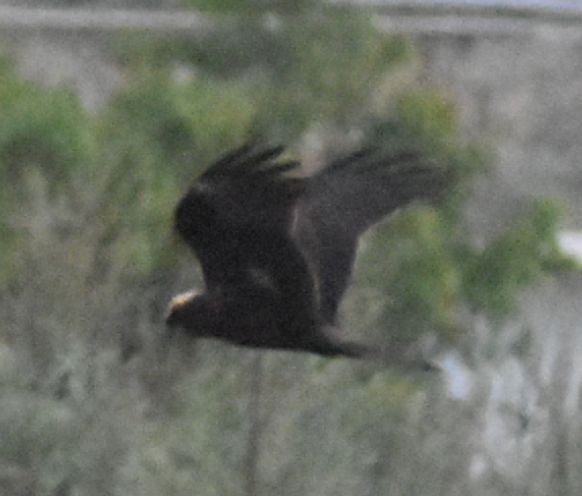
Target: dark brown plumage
{"x": 277, "y": 251}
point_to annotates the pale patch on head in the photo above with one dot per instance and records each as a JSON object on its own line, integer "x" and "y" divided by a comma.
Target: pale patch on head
{"x": 182, "y": 299}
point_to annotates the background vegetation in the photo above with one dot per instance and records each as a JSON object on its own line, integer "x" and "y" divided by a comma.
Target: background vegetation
{"x": 96, "y": 399}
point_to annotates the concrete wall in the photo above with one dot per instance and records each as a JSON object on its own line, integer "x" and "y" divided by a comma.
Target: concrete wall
{"x": 524, "y": 96}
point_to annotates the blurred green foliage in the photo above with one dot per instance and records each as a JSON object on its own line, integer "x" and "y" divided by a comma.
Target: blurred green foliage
{"x": 156, "y": 136}
{"x": 292, "y": 72}
{"x": 318, "y": 84}
{"x": 516, "y": 259}
{"x": 428, "y": 270}
{"x": 422, "y": 120}
{"x": 43, "y": 132}
{"x": 250, "y": 6}
{"x": 418, "y": 273}
{"x": 42, "y": 129}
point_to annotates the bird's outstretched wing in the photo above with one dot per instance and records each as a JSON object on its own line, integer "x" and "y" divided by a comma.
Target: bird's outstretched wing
{"x": 244, "y": 187}
{"x": 346, "y": 198}
{"x": 237, "y": 217}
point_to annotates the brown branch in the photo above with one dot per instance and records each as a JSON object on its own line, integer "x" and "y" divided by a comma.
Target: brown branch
{"x": 255, "y": 426}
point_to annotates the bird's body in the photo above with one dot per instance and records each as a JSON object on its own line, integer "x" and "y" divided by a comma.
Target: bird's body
{"x": 277, "y": 251}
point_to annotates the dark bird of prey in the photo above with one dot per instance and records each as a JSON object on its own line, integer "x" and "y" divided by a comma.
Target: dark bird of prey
{"x": 277, "y": 250}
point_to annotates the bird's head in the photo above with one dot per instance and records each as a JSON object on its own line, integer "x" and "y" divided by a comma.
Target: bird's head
{"x": 198, "y": 314}
{"x": 180, "y": 308}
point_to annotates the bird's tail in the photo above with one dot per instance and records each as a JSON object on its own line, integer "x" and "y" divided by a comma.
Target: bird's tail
{"x": 387, "y": 357}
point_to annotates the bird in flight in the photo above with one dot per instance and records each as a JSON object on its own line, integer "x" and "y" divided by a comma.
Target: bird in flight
{"x": 277, "y": 250}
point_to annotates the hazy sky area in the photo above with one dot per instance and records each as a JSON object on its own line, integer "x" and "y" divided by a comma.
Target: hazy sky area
{"x": 574, "y": 5}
